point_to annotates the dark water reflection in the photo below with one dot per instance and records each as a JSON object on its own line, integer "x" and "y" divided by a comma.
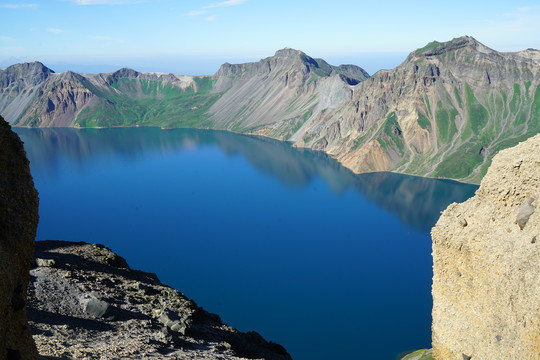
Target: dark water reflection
{"x": 293, "y": 167}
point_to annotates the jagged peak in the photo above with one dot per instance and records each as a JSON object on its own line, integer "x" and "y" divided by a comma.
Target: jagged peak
{"x": 228, "y": 69}
{"x": 435, "y": 48}
{"x": 32, "y": 66}
{"x": 125, "y": 73}
{"x": 287, "y": 57}
{"x": 530, "y": 53}
{"x": 352, "y": 71}
{"x": 69, "y": 76}
{"x": 288, "y": 52}
{"x": 31, "y": 73}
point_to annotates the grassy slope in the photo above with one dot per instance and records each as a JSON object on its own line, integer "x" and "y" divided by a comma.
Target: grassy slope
{"x": 470, "y": 124}
{"x": 130, "y": 102}
{"x": 494, "y": 119}
{"x": 498, "y": 123}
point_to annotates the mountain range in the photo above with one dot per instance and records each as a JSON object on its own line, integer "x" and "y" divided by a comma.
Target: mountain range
{"x": 444, "y": 112}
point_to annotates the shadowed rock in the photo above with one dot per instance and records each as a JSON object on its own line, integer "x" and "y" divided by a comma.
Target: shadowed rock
{"x": 18, "y": 224}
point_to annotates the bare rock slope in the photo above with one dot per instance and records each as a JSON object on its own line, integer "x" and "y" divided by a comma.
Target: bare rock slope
{"x": 86, "y": 303}
{"x": 18, "y": 224}
{"x": 486, "y": 255}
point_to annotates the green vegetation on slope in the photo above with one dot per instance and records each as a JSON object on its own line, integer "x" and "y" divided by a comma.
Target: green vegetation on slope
{"x": 446, "y": 122}
{"x": 477, "y": 114}
{"x": 502, "y": 122}
{"x": 430, "y": 46}
{"x": 461, "y": 162}
{"x": 145, "y": 102}
{"x": 423, "y": 122}
{"x": 475, "y": 136}
{"x": 533, "y": 125}
{"x": 389, "y": 135}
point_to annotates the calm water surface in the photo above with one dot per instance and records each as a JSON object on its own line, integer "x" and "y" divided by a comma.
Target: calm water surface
{"x": 274, "y": 239}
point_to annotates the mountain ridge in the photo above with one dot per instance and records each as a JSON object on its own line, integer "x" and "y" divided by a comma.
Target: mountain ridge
{"x": 447, "y": 102}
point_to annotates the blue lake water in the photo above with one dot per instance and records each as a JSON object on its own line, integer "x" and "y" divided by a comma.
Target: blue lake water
{"x": 274, "y": 239}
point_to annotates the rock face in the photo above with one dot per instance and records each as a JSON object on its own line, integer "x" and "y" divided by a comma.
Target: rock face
{"x": 444, "y": 112}
{"x": 84, "y": 301}
{"x": 18, "y": 224}
{"x": 277, "y": 95}
{"x": 486, "y": 264}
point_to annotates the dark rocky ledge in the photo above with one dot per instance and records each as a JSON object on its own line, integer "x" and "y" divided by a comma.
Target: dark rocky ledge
{"x": 85, "y": 302}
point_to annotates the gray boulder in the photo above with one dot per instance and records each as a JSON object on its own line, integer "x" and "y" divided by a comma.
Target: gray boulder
{"x": 93, "y": 305}
{"x": 179, "y": 322}
{"x": 525, "y": 211}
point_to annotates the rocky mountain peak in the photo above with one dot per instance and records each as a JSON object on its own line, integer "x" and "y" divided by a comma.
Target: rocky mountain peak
{"x": 288, "y": 52}
{"x": 31, "y": 74}
{"x": 352, "y": 71}
{"x": 435, "y": 48}
{"x": 70, "y": 76}
{"x": 287, "y": 58}
{"x": 125, "y": 73}
{"x": 229, "y": 70}
{"x": 530, "y": 53}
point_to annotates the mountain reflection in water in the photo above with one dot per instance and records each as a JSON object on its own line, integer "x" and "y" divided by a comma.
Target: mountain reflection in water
{"x": 294, "y": 167}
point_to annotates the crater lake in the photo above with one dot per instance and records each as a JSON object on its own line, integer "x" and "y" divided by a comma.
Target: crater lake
{"x": 279, "y": 240}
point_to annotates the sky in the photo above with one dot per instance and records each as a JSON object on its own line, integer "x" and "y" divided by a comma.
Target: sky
{"x": 194, "y": 37}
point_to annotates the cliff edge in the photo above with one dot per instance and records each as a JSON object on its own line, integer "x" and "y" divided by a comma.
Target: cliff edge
{"x": 85, "y": 302}
{"x": 18, "y": 225}
{"x": 486, "y": 264}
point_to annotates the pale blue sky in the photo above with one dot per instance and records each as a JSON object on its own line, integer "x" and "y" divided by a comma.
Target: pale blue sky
{"x": 196, "y": 36}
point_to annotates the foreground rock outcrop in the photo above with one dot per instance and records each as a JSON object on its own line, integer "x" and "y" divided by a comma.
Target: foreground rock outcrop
{"x": 18, "y": 223}
{"x": 486, "y": 263}
{"x": 86, "y": 303}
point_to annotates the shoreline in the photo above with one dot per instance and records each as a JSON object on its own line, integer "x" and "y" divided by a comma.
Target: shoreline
{"x": 253, "y": 135}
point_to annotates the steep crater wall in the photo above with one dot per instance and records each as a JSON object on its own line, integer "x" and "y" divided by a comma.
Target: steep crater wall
{"x": 486, "y": 263}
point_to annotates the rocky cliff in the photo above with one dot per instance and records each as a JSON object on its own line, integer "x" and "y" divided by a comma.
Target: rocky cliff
{"x": 486, "y": 264}
{"x": 86, "y": 302}
{"x": 18, "y": 224}
{"x": 444, "y": 112}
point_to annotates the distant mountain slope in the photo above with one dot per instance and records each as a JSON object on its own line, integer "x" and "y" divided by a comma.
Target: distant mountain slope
{"x": 17, "y": 85}
{"x": 275, "y": 96}
{"x": 444, "y": 112}
{"x": 283, "y": 89}
{"x": 123, "y": 98}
